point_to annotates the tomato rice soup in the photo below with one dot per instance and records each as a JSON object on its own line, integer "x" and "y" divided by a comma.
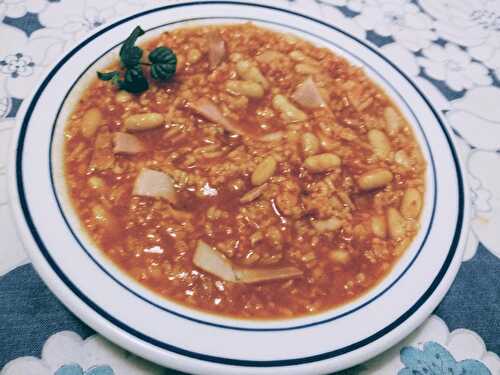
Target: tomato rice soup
{"x": 268, "y": 178}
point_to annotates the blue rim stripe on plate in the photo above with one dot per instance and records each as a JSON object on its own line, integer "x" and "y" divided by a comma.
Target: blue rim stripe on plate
{"x": 268, "y": 329}
{"x": 201, "y": 356}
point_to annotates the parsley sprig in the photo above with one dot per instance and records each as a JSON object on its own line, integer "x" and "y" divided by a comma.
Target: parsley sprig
{"x": 162, "y": 63}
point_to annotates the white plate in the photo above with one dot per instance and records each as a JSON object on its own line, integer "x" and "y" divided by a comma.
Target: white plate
{"x": 175, "y": 336}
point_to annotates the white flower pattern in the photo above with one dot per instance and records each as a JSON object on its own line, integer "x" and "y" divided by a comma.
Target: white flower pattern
{"x": 400, "y": 19}
{"x": 13, "y": 254}
{"x": 78, "y": 27}
{"x": 461, "y": 343}
{"x": 454, "y": 66}
{"x": 23, "y": 59}
{"x": 66, "y": 349}
{"x": 485, "y": 198}
{"x": 73, "y": 20}
{"x": 17, "y": 65}
{"x": 474, "y": 24}
{"x": 18, "y": 8}
{"x": 476, "y": 119}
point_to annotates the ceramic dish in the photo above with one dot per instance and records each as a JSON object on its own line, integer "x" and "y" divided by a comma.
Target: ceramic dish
{"x": 175, "y": 336}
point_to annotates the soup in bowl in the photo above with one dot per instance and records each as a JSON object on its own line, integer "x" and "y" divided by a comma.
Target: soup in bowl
{"x": 244, "y": 172}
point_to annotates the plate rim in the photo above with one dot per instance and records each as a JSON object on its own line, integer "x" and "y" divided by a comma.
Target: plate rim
{"x": 63, "y": 205}
{"x": 48, "y": 276}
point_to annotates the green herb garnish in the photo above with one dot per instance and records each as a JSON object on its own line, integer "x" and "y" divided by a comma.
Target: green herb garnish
{"x": 162, "y": 64}
{"x": 130, "y": 55}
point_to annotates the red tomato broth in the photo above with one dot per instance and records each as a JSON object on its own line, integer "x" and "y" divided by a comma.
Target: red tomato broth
{"x": 154, "y": 240}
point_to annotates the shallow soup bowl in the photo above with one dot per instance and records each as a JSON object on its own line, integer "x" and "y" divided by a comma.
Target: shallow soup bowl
{"x": 173, "y": 335}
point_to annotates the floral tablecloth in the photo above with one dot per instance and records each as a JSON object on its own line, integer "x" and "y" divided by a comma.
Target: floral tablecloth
{"x": 451, "y": 49}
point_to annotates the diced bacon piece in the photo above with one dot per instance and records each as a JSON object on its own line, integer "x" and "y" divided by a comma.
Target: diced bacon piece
{"x": 216, "y": 49}
{"x": 211, "y": 261}
{"x": 102, "y": 157}
{"x": 307, "y": 94}
{"x": 151, "y": 183}
{"x": 211, "y": 112}
{"x": 125, "y": 143}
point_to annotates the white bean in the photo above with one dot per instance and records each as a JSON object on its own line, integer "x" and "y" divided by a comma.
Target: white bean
{"x": 270, "y": 56}
{"x": 307, "y": 69}
{"x": 380, "y": 143}
{"x": 379, "y": 226}
{"x": 411, "y": 203}
{"x": 91, "y": 121}
{"x": 310, "y": 144}
{"x": 300, "y": 57}
{"x": 246, "y": 88}
{"x": 393, "y": 120}
{"x": 374, "y": 179}
{"x": 402, "y": 158}
{"x": 264, "y": 170}
{"x": 396, "y": 224}
{"x": 254, "y": 193}
{"x": 322, "y": 162}
{"x": 273, "y": 137}
{"x": 328, "y": 225}
{"x": 250, "y": 72}
{"x": 144, "y": 121}
{"x": 123, "y": 97}
{"x": 289, "y": 112}
{"x": 339, "y": 256}
{"x": 96, "y": 183}
{"x": 193, "y": 56}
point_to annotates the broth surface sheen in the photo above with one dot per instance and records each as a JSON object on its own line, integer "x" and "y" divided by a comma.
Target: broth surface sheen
{"x": 276, "y": 159}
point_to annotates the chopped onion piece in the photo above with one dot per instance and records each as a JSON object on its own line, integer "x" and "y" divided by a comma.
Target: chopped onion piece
{"x": 216, "y": 49}
{"x": 308, "y": 95}
{"x": 150, "y": 183}
{"x": 255, "y": 275}
{"x": 211, "y": 112}
{"x": 125, "y": 143}
{"x": 211, "y": 261}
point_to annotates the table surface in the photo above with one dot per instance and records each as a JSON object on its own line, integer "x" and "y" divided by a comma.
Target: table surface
{"x": 451, "y": 49}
